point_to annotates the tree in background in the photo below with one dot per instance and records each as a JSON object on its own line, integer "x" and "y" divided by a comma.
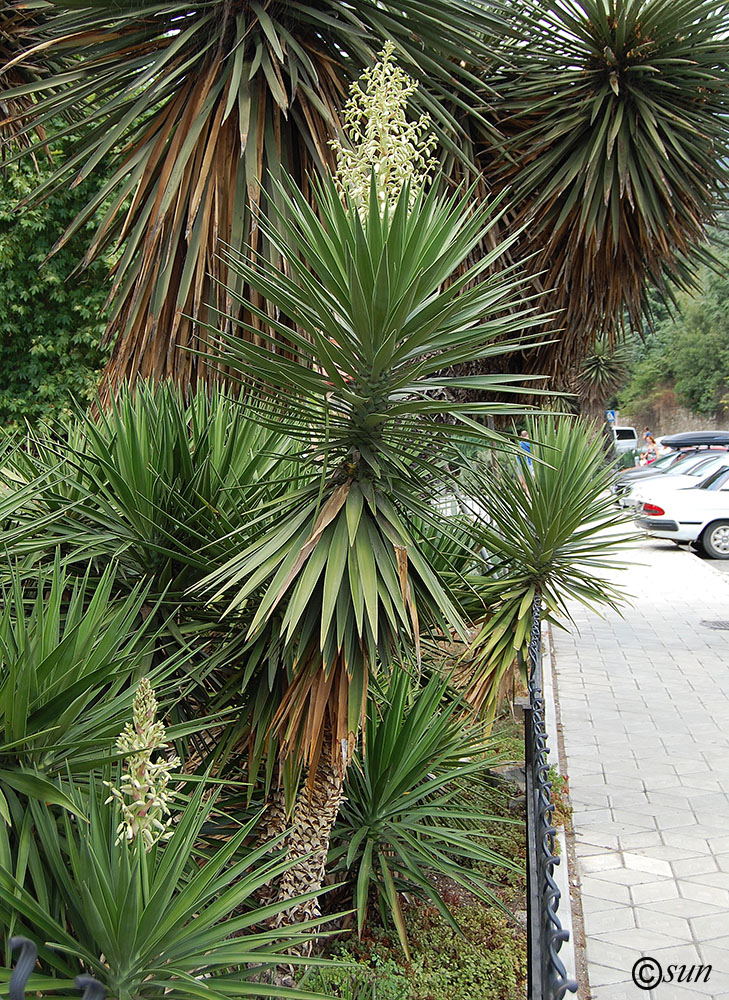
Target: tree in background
{"x": 688, "y": 354}
{"x": 51, "y": 318}
{"x": 600, "y": 375}
{"x": 616, "y": 111}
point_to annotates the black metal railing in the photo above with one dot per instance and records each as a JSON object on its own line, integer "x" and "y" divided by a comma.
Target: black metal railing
{"x": 90, "y": 988}
{"x": 547, "y": 976}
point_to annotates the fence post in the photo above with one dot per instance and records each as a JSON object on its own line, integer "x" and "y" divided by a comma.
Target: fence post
{"x": 547, "y": 976}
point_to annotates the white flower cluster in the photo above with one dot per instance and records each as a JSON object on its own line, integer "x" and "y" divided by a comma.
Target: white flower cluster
{"x": 380, "y": 139}
{"x": 144, "y": 795}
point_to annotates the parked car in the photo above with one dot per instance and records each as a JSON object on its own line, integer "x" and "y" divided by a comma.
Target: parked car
{"x": 626, "y": 439}
{"x": 627, "y": 477}
{"x": 699, "y": 515}
{"x": 684, "y": 446}
{"x": 681, "y": 476}
{"x": 687, "y": 472}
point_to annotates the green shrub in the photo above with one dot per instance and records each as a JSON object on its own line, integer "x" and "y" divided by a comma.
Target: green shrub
{"x": 146, "y": 922}
{"x": 51, "y": 321}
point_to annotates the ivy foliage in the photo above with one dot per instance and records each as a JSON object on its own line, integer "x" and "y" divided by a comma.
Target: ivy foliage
{"x": 51, "y": 319}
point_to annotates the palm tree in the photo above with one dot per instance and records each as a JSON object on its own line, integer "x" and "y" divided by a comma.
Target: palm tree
{"x": 604, "y": 119}
{"x": 618, "y": 140}
{"x": 193, "y": 110}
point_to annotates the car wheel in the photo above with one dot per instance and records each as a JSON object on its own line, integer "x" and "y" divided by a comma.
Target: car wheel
{"x": 715, "y": 540}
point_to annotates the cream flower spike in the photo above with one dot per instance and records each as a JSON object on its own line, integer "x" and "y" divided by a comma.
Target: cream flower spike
{"x": 144, "y": 793}
{"x": 379, "y": 138}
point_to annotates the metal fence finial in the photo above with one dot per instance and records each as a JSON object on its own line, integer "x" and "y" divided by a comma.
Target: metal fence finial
{"x": 23, "y": 967}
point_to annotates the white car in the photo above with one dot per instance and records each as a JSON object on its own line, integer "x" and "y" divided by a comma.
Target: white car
{"x": 699, "y": 515}
{"x": 689, "y": 472}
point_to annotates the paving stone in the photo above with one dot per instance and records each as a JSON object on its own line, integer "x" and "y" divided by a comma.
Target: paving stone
{"x": 664, "y": 923}
{"x": 694, "y": 866}
{"x": 720, "y": 942}
{"x": 615, "y": 956}
{"x": 697, "y": 845}
{"x": 681, "y": 954}
{"x": 651, "y": 892}
{"x": 648, "y": 839}
{"x": 596, "y": 838}
{"x": 587, "y": 850}
{"x": 645, "y": 940}
{"x": 600, "y": 862}
{"x": 710, "y": 927}
{"x": 717, "y": 879}
{"x": 615, "y": 991}
{"x": 679, "y": 993}
{"x": 604, "y": 975}
{"x": 599, "y": 923}
{"x": 666, "y": 853}
{"x": 679, "y": 906}
{"x": 645, "y": 863}
{"x": 626, "y": 876}
{"x": 600, "y": 889}
{"x": 705, "y": 893}
{"x": 592, "y": 904}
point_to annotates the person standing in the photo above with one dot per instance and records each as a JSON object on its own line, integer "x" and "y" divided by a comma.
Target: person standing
{"x": 525, "y": 445}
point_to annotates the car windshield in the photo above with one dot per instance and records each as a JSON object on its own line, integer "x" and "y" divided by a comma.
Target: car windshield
{"x": 665, "y": 461}
{"x": 718, "y": 480}
{"x": 683, "y": 468}
{"x": 704, "y": 468}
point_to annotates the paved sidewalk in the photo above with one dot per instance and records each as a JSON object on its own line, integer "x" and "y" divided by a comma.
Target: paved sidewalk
{"x": 644, "y": 703}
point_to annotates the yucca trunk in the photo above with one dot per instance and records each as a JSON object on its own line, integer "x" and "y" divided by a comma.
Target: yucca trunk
{"x": 315, "y": 814}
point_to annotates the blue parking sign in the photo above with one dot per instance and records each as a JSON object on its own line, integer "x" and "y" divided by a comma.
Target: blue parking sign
{"x": 610, "y": 416}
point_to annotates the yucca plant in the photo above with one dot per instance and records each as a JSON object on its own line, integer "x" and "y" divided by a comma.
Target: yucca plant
{"x": 191, "y": 110}
{"x": 154, "y": 483}
{"x": 159, "y": 487}
{"x": 169, "y": 920}
{"x": 69, "y": 654}
{"x": 372, "y": 312}
{"x": 411, "y": 813}
{"x": 616, "y": 113}
{"x": 163, "y": 490}
{"x": 602, "y": 372}
{"x": 552, "y": 534}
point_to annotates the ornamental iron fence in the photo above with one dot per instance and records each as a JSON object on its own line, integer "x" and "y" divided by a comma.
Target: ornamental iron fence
{"x": 90, "y": 988}
{"x": 547, "y": 975}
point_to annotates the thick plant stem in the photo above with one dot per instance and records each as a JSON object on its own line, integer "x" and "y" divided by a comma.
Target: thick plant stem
{"x": 315, "y": 813}
{"x": 273, "y": 824}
